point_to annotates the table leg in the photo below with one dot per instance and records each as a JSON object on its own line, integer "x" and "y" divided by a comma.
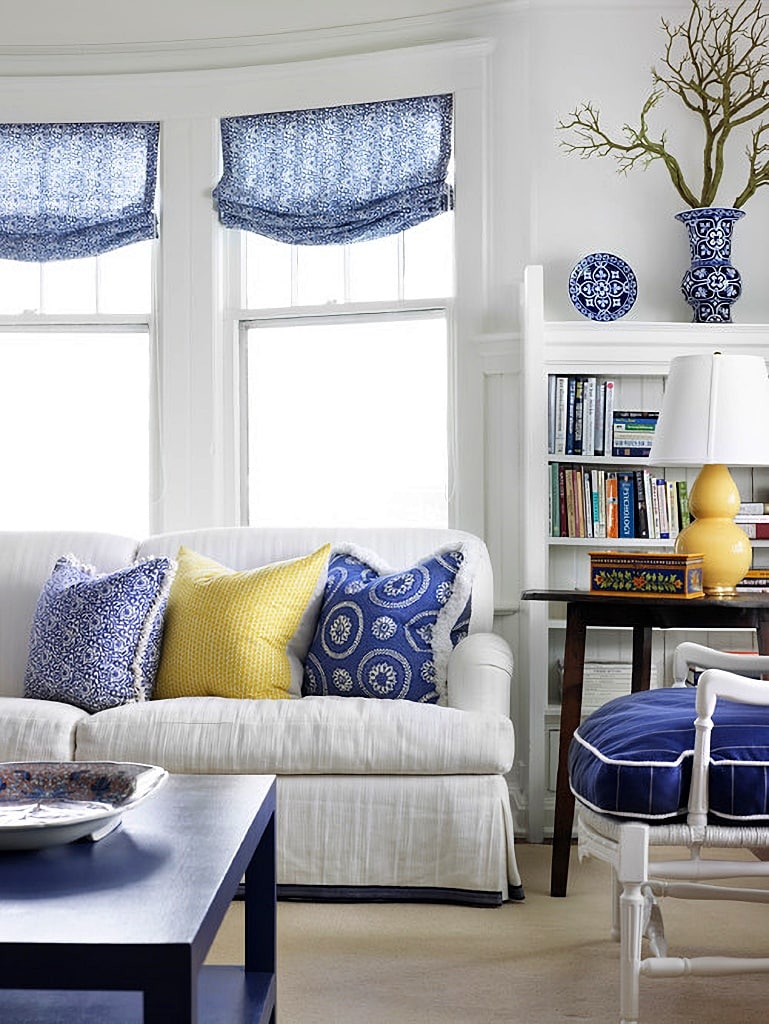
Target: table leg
{"x": 642, "y": 658}
{"x": 571, "y": 710}
{"x": 173, "y": 998}
{"x": 762, "y": 632}
{"x": 260, "y": 923}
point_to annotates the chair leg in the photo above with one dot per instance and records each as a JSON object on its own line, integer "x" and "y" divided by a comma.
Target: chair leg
{"x": 631, "y": 906}
{"x": 616, "y": 890}
{"x": 632, "y": 874}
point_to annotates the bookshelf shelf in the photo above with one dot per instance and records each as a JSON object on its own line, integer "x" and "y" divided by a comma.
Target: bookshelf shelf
{"x": 636, "y": 356}
{"x": 640, "y": 543}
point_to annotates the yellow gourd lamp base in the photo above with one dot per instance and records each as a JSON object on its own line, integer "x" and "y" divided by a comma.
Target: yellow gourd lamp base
{"x": 727, "y": 555}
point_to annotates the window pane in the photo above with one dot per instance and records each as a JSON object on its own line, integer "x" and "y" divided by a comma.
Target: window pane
{"x": 74, "y": 423}
{"x": 268, "y": 272}
{"x": 125, "y": 279}
{"x": 374, "y": 269}
{"x": 19, "y": 287}
{"x": 429, "y": 259}
{"x": 319, "y": 274}
{"x": 69, "y": 286}
{"x": 347, "y": 423}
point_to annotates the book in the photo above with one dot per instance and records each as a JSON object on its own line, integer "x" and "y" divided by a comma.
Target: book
{"x": 551, "y": 383}
{"x": 588, "y": 415}
{"x": 754, "y": 580}
{"x": 554, "y": 501}
{"x": 571, "y": 520}
{"x": 673, "y": 527}
{"x": 571, "y": 394}
{"x": 641, "y": 507}
{"x": 561, "y": 399}
{"x": 748, "y": 517}
{"x": 562, "y": 500}
{"x": 579, "y": 413}
{"x": 756, "y": 531}
{"x": 599, "y": 502}
{"x": 753, "y": 508}
{"x": 608, "y": 416}
{"x": 587, "y": 502}
{"x": 626, "y": 504}
{"x": 633, "y": 433}
{"x": 612, "y": 518}
{"x": 684, "y": 516}
{"x": 600, "y": 418}
{"x": 661, "y": 490}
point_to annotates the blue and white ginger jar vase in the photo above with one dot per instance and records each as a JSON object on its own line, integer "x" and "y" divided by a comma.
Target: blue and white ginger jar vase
{"x": 711, "y": 284}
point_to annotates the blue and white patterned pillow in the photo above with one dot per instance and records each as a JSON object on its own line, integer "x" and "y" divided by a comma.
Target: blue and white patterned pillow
{"x": 95, "y": 639}
{"x": 389, "y": 634}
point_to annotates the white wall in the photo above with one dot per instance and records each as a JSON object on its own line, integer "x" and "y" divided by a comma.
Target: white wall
{"x": 604, "y": 52}
{"x": 533, "y": 203}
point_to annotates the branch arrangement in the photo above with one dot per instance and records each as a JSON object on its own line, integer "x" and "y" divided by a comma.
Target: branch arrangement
{"x": 717, "y": 63}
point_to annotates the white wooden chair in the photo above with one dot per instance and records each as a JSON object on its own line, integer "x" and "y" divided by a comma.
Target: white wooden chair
{"x": 624, "y": 838}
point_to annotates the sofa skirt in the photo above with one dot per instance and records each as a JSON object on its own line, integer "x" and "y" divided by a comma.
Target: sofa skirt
{"x": 444, "y": 838}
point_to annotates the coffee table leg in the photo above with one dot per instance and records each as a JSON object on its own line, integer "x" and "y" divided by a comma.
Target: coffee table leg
{"x": 260, "y": 914}
{"x": 173, "y": 999}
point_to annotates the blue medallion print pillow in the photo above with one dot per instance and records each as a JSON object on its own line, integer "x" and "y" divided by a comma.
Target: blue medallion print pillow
{"x": 95, "y": 638}
{"x": 388, "y": 634}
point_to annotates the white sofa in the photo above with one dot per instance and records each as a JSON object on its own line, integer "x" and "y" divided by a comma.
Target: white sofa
{"x": 377, "y": 799}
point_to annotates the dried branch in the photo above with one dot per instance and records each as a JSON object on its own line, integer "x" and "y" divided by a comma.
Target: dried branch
{"x": 717, "y": 64}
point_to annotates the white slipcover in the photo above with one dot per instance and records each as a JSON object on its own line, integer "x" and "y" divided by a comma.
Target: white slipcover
{"x": 374, "y": 796}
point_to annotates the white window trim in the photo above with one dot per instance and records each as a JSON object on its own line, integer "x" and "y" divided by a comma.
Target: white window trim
{"x": 194, "y": 342}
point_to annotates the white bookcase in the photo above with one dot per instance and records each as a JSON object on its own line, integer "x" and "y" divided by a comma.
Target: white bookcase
{"x": 637, "y": 357}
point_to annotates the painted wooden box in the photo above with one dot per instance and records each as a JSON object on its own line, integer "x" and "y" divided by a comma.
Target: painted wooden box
{"x": 646, "y": 573}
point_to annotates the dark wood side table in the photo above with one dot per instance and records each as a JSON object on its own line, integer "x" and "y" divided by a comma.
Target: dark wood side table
{"x": 641, "y": 614}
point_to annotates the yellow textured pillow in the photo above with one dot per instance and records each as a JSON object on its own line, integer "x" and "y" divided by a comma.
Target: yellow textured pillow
{"x": 230, "y": 634}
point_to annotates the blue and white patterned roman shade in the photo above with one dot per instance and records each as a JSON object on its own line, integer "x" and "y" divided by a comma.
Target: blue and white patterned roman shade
{"x": 74, "y": 190}
{"x": 337, "y": 174}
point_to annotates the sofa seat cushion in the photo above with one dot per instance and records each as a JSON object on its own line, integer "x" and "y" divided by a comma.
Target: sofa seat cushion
{"x": 633, "y": 758}
{"x": 38, "y": 730}
{"x": 314, "y": 735}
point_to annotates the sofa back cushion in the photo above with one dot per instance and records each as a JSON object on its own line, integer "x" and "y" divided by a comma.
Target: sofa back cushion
{"x": 399, "y": 547}
{"x": 26, "y": 561}
{"x": 388, "y": 634}
{"x": 239, "y": 633}
{"x": 95, "y": 640}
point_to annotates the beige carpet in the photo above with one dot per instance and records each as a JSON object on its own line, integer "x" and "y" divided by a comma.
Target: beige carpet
{"x": 544, "y": 960}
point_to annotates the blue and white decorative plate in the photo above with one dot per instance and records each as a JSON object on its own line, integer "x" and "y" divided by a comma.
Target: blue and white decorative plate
{"x": 602, "y": 286}
{"x": 47, "y": 803}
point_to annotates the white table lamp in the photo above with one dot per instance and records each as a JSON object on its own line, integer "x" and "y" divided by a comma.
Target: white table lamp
{"x": 715, "y": 414}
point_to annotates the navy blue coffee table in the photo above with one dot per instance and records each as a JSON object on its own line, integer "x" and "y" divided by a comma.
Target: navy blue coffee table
{"x": 116, "y": 932}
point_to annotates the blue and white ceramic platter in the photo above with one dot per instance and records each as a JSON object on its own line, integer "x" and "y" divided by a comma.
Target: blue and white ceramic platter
{"x": 47, "y": 803}
{"x": 602, "y": 286}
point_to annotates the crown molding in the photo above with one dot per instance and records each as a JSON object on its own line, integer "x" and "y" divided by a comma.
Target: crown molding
{"x": 195, "y": 54}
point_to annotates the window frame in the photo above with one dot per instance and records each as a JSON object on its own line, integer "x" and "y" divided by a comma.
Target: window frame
{"x": 193, "y": 326}
{"x": 371, "y": 312}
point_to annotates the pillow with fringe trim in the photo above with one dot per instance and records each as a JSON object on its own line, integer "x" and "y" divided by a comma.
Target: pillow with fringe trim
{"x": 388, "y": 633}
{"x": 95, "y": 638}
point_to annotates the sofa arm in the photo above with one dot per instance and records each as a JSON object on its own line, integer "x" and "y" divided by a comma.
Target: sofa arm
{"x": 480, "y": 671}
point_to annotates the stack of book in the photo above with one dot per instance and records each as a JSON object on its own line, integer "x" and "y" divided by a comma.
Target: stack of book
{"x": 580, "y": 415}
{"x": 582, "y": 420}
{"x": 605, "y": 680}
{"x": 587, "y": 501}
{"x": 756, "y": 581}
{"x": 633, "y": 434}
{"x": 753, "y": 517}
